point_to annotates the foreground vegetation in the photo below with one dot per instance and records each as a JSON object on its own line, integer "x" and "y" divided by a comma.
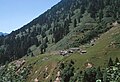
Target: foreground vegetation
{"x": 68, "y": 73}
{"x": 92, "y": 74}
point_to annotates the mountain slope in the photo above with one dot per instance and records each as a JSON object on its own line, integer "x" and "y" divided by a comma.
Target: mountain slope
{"x": 45, "y": 67}
{"x": 63, "y": 26}
{"x": 3, "y": 34}
{"x": 90, "y": 25}
{"x": 98, "y": 54}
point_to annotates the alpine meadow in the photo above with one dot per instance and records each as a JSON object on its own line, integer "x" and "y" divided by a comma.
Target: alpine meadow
{"x": 74, "y": 41}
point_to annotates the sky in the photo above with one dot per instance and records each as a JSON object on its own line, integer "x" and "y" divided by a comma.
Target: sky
{"x": 16, "y": 13}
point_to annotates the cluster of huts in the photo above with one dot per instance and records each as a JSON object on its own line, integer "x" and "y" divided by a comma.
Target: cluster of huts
{"x": 81, "y": 50}
{"x": 72, "y": 50}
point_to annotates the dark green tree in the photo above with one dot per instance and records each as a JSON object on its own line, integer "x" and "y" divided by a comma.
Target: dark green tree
{"x": 75, "y": 23}
{"x": 110, "y": 62}
{"x": 100, "y": 15}
{"x": 105, "y": 76}
{"x": 85, "y": 77}
{"x": 67, "y": 72}
{"x": 116, "y": 60}
{"x": 46, "y": 39}
{"x": 42, "y": 48}
{"x": 99, "y": 74}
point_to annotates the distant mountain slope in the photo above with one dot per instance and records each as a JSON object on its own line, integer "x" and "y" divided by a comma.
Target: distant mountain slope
{"x": 63, "y": 26}
{"x": 1, "y": 33}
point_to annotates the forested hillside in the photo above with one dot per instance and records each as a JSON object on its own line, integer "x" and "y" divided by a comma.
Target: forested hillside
{"x": 70, "y": 23}
{"x": 100, "y": 63}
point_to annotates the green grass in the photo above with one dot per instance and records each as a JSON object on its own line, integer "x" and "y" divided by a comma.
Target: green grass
{"x": 98, "y": 54}
{"x": 39, "y": 63}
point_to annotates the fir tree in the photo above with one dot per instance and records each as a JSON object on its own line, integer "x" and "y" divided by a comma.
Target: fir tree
{"x": 110, "y": 63}
{"x": 85, "y": 77}
{"x": 116, "y": 60}
{"x": 99, "y": 74}
{"x": 75, "y": 22}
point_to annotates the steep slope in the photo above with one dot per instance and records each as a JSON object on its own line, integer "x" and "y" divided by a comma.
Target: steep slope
{"x": 86, "y": 24}
{"x": 63, "y": 26}
{"x": 45, "y": 67}
{"x": 99, "y": 54}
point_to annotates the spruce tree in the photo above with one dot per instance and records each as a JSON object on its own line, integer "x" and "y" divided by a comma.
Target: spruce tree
{"x": 99, "y": 74}
{"x": 116, "y": 60}
{"x": 85, "y": 77}
{"x": 42, "y": 48}
{"x": 105, "y": 76}
{"x": 75, "y": 22}
{"x": 110, "y": 63}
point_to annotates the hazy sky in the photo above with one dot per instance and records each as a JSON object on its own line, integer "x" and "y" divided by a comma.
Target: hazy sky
{"x": 16, "y": 13}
